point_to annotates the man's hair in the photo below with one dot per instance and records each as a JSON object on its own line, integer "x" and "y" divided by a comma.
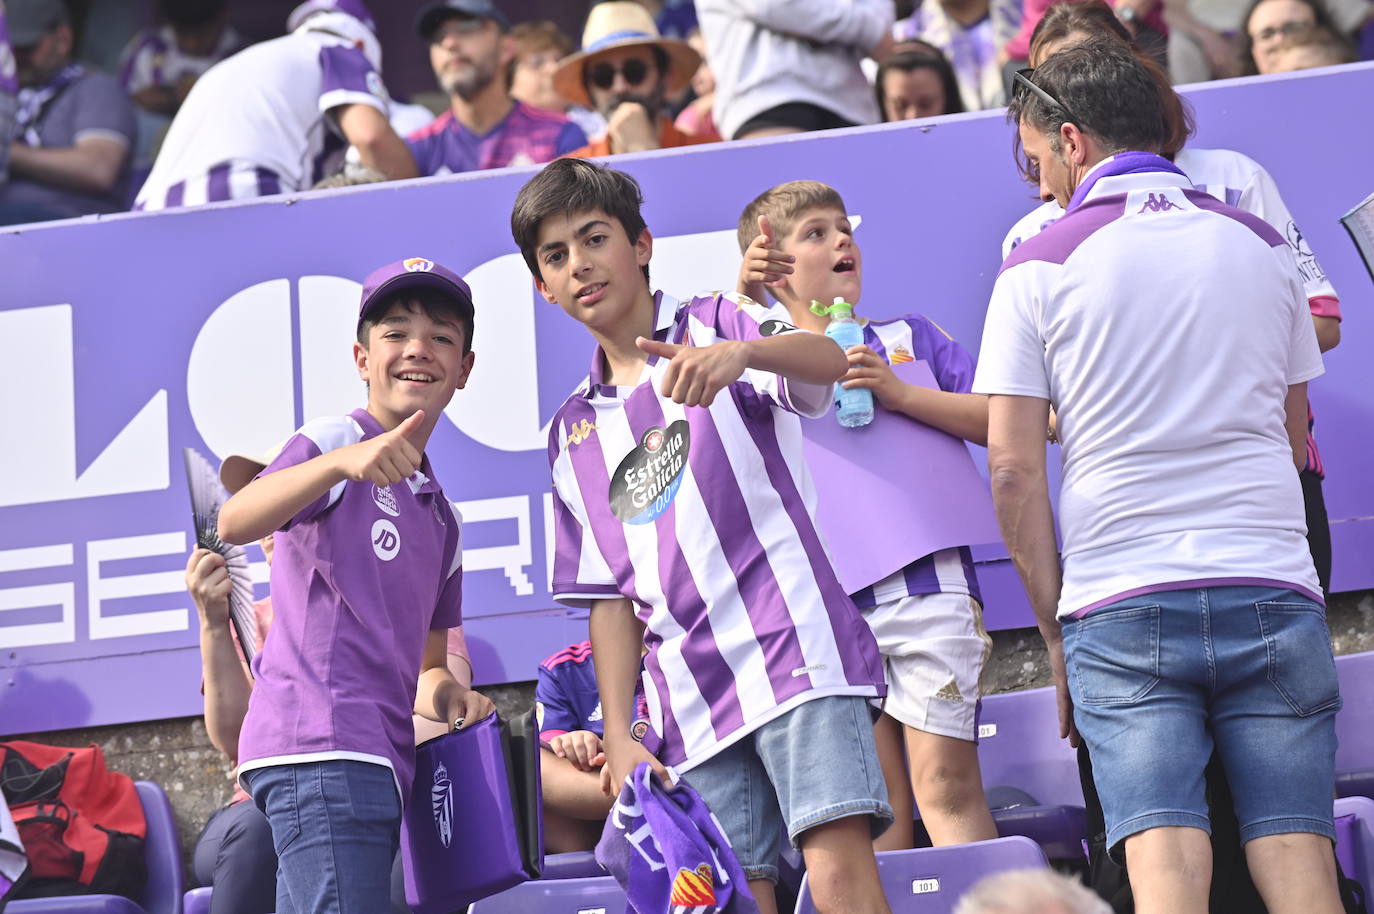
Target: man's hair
{"x": 1030, "y": 891}
{"x": 570, "y": 186}
{"x": 436, "y": 305}
{"x": 909, "y": 61}
{"x": 1094, "y": 18}
{"x": 784, "y": 205}
{"x": 1321, "y": 18}
{"x": 1104, "y": 90}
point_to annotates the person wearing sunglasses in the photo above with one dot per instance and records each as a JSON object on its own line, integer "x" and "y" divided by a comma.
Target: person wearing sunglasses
{"x": 1183, "y": 613}
{"x": 626, "y": 71}
{"x": 471, "y": 51}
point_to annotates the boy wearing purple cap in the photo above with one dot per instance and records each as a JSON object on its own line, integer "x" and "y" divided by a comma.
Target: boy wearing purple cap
{"x": 366, "y": 582}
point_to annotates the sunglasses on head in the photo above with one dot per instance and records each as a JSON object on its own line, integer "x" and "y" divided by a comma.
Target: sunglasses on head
{"x": 1021, "y": 84}
{"x": 603, "y": 74}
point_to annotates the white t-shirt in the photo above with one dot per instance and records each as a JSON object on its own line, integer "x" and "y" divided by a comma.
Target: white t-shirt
{"x": 1165, "y": 328}
{"x": 258, "y": 123}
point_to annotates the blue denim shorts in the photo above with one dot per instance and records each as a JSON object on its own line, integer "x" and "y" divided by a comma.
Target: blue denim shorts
{"x": 812, "y": 765}
{"x": 1159, "y": 680}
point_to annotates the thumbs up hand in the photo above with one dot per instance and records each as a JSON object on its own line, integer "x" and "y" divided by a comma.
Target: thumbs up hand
{"x": 388, "y": 458}
{"x": 698, "y": 373}
{"x": 764, "y": 265}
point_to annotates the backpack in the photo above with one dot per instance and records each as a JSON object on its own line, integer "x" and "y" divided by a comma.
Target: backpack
{"x": 82, "y": 825}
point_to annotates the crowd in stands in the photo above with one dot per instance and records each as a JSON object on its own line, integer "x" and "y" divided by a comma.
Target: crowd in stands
{"x": 286, "y": 114}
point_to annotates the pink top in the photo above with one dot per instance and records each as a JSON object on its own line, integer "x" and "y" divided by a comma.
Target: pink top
{"x": 1034, "y": 10}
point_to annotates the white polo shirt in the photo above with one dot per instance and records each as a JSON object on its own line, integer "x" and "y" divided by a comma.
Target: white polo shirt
{"x": 1165, "y": 328}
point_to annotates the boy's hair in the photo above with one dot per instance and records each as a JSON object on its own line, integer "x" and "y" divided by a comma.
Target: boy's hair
{"x": 530, "y": 37}
{"x": 910, "y": 61}
{"x": 435, "y": 304}
{"x": 574, "y": 186}
{"x": 784, "y": 205}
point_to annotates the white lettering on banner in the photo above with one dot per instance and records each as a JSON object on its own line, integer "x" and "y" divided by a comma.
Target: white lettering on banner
{"x": 511, "y": 558}
{"x": 44, "y": 469}
{"x": 100, "y": 589}
{"x": 63, "y": 595}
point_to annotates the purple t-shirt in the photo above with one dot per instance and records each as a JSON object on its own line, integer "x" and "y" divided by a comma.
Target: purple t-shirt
{"x": 566, "y": 698}
{"x": 907, "y": 339}
{"x": 359, "y": 578}
{"x": 704, "y": 519}
{"x": 527, "y": 136}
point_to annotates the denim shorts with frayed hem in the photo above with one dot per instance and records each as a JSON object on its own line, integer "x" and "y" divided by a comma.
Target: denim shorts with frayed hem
{"x": 1159, "y": 679}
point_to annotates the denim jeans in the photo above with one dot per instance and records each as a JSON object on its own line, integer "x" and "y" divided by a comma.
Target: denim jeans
{"x": 336, "y": 825}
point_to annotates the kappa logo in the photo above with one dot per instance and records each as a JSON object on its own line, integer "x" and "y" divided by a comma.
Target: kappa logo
{"x": 647, "y": 480}
{"x": 386, "y": 500}
{"x": 694, "y": 891}
{"x": 901, "y": 355}
{"x": 417, "y": 265}
{"x": 441, "y": 801}
{"x": 386, "y": 540}
{"x": 1157, "y": 203}
{"x": 579, "y": 432}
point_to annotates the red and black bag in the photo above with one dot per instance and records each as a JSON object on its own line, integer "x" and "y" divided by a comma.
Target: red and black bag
{"x": 82, "y": 825}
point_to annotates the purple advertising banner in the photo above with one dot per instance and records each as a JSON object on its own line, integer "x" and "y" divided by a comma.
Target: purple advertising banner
{"x": 921, "y": 490}
{"x": 226, "y": 327}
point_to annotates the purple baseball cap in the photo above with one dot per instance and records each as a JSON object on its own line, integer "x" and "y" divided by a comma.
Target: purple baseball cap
{"x": 433, "y": 14}
{"x": 355, "y": 8}
{"x": 415, "y": 273}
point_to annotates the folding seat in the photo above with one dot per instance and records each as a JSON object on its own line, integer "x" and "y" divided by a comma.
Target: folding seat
{"x": 162, "y": 852}
{"x": 1355, "y": 726}
{"x": 587, "y": 895}
{"x": 930, "y": 880}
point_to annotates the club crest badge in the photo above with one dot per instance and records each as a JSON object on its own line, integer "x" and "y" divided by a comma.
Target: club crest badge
{"x": 417, "y": 265}
{"x": 693, "y": 891}
{"x": 441, "y": 801}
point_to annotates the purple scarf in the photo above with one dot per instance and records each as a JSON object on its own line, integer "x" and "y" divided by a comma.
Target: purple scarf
{"x": 34, "y": 102}
{"x": 668, "y": 853}
{"x": 1125, "y": 163}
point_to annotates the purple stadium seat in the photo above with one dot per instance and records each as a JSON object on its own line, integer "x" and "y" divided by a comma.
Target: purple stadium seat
{"x": 576, "y": 865}
{"x": 197, "y": 901}
{"x": 1355, "y": 838}
{"x": 930, "y": 880}
{"x": 162, "y": 851}
{"x": 592, "y": 895}
{"x": 1355, "y": 726}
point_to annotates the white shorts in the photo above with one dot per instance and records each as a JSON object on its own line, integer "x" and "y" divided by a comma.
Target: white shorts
{"x": 934, "y": 647}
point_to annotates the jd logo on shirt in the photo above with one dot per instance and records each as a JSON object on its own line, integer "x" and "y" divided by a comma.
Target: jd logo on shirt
{"x": 386, "y": 540}
{"x": 647, "y": 480}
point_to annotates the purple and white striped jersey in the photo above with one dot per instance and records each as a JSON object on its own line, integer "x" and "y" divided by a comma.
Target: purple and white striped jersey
{"x": 907, "y": 339}
{"x": 703, "y": 517}
{"x": 259, "y": 122}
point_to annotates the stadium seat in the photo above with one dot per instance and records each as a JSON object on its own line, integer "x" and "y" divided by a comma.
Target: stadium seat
{"x": 197, "y": 901}
{"x": 1355, "y": 726}
{"x": 930, "y": 880}
{"x": 163, "y": 894}
{"x": 1355, "y": 838}
{"x": 589, "y": 895}
{"x": 576, "y": 865}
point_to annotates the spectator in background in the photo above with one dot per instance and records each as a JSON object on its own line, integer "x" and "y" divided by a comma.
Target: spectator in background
{"x": 626, "y": 71}
{"x": 969, "y": 33}
{"x": 917, "y": 83}
{"x": 1144, "y": 19}
{"x": 75, "y": 128}
{"x": 1270, "y": 22}
{"x": 539, "y": 46}
{"x": 787, "y": 66}
{"x": 698, "y": 115}
{"x": 161, "y": 64}
{"x": 1316, "y": 47}
{"x": 278, "y": 116}
{"x": 9, "y": 90}
{"x": 472, "y": 53}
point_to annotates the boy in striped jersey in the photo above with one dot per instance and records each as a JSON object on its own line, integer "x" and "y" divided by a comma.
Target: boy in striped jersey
{"x": 684, "y": 519}
{"x": 927, "y": 617}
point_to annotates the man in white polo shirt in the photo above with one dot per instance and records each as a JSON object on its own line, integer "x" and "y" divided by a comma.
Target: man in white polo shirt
{"x": 1171, "y": 334}
{"x": 280, "y": 115}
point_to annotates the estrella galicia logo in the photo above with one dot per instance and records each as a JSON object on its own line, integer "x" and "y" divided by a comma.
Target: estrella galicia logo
{"x": 773, "y": 326}
{"x": 647, "y": 480}
{"x": 441, "y": 798}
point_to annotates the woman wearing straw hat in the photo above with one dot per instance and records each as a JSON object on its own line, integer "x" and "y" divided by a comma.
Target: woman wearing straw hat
{"x": 625, "y": 71}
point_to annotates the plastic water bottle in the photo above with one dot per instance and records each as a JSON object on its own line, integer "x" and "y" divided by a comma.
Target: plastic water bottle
{"x": 853, "y": 407}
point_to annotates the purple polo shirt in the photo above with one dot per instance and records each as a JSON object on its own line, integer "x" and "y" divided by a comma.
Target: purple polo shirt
{"x": 360, "y": 577}
{"x": 526, "y": 136}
